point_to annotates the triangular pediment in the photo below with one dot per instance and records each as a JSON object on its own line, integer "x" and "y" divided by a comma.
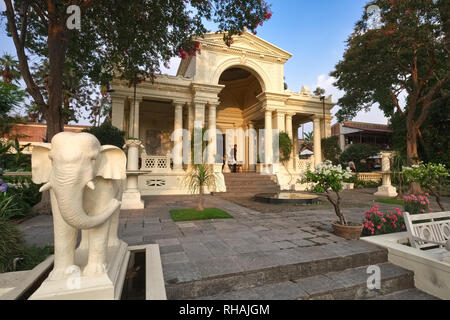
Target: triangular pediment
{"x": 247, "y": 42}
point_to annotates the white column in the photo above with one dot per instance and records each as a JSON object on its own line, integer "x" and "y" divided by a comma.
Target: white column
{"x": 317, "y": 141}
{"x": 280, "y": 122}
{"x": 199, "y": 114}
{"x": 327, "y": 127}
{"x": 131, "y": 198}
{"x": 199, "y": 121}
{"x": 268, "y": 152}
{"x": 131, "y": 121}
{"x": 177, "y": 155}
{"x": 118, "y": 111}
{"x": 212, "y": 134}
{"x": 252, "y": 146}
{"x": 288, "y": 127}
{"x": 323, "y": 133}
{"x": 295, "y": 149}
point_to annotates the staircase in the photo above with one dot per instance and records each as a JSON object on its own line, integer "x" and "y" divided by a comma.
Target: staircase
{"x": 343, "y": 278}
{"x": 249, "y": 184}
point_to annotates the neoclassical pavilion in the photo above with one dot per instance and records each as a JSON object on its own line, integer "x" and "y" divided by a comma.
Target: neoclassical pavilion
{"x": 223, "y": 88}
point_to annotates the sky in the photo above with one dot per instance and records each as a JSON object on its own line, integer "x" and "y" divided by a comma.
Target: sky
{"x": 313, "y": 31}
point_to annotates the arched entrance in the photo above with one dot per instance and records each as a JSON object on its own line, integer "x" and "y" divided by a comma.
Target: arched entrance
{"x": 237, "y": 113}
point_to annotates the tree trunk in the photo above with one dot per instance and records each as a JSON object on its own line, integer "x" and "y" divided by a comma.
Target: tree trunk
{"x": 200, "y": 200}
{"x": 57, "y": 48}
{"x": 411, "y": 142}
{"x": 44, "y": 207}
{"x": 411, "y": 152}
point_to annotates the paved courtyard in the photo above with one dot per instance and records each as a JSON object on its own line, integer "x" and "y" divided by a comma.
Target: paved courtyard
{"x": 253, "y": 240}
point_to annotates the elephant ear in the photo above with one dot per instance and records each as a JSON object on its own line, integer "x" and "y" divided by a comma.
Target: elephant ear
{"x": 41, "y": 164}
{"x": 111, "y": 163}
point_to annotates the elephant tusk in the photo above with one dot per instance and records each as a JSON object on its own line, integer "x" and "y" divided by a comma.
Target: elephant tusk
{"x": 45, "y": 187}
{"x": 90, "y": 185}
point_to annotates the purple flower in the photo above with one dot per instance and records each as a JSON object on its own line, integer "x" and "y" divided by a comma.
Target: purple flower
{"x": 3, "y": 187}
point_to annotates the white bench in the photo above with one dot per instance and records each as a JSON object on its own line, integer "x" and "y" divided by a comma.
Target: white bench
{"x": 430, "y": 232}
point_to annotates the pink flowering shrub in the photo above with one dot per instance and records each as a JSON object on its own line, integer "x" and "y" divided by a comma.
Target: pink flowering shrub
{"x": 376, "y": 222}
{"x": 416, "y": 204}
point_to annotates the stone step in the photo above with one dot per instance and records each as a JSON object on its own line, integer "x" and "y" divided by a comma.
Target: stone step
{"x": 350, "y": 284}
{"x": 249, "y": 184}
{"x": 228, "y": 282}
{"x": 408, "y": 294}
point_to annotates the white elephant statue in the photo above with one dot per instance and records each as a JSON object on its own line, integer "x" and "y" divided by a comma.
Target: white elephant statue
{"x": 85, "y": 183}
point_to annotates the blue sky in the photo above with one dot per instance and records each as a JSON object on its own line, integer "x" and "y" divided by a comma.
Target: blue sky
{"x": 314, "y": 31}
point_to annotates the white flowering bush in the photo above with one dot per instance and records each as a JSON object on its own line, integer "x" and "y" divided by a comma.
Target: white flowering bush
{"x": 431, "y": 178}
{"x": 328, "y": 179}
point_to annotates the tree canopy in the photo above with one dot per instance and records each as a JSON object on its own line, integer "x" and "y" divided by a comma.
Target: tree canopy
{"x": 124, "y": 38}
{"x": 407, "y": 52}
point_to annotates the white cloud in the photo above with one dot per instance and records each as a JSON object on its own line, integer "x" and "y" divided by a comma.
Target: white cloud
{"x": 173, "y": 65}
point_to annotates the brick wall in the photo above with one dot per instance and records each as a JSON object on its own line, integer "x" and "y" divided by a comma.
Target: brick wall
{"x": 35, "y": 132}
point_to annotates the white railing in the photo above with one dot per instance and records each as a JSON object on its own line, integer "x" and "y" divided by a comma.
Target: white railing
{"x": 370, "y": 176}
{"x": 303, "y": 164}
{"x": 159, "y": 164}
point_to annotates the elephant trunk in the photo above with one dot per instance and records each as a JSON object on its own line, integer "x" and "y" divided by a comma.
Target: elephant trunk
{"x": 70, "y": 203}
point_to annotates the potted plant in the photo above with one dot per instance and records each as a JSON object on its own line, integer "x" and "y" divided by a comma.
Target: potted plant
{"x": 328, "y": 179}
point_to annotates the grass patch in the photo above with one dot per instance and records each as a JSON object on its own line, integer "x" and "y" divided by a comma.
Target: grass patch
{"x": 192, "y": 214}
{"x": 391, "y": 201}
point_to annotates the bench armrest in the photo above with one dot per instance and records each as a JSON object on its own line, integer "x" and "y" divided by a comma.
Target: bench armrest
{"x": 446, "y": 245}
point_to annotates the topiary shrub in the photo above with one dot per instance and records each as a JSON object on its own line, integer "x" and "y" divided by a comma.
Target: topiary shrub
{"x": 331, "y": 149}
{"x": 286, "y": 145}
{"x": 11, "y": 244}
{"x": 108, "y": 134}
{"x": 358, "y": 152}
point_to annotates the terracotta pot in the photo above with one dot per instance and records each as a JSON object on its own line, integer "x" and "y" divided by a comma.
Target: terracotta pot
{"x": 347, "y": 232}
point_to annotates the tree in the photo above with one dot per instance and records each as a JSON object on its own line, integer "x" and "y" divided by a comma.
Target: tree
{"x": 108, "y": 134}
{"x": 124, "y": 38}
{"x": 409, "y": 52}
{"x": 331, "y": 149}
{"x": 80, "y": 94}
{"x": 308, "y": 142}
{"x": 357, "y": 153}
{"x": 328, "y": 179}
{"x": 319, "y": 91}
{"x": 197, "y": 178}
{"x": 9, "y": 68}
{"x": 433, "y": 136}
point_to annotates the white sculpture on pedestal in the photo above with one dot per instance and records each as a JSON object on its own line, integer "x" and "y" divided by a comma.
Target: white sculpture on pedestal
{"x": 84, "y": 179}
{"x": 386, "y": 190}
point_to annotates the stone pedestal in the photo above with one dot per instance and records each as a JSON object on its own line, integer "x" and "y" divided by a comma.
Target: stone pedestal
{"x": 219, "y": 179}
{"x": 131, "y": 199}
{"x": 226, "y": 168}
{"x": 386, "y": 190}
{"x": 106, "y": 286}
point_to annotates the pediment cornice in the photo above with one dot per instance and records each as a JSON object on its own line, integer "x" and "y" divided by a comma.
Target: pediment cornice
{"x": 247, "y": 45}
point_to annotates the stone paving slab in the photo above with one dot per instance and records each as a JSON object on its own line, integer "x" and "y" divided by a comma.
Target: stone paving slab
{"x": 250, "y": 241}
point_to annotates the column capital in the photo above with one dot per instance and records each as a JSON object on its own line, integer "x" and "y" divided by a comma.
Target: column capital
{"x": 199, "y": 103}
{"x": 176, "y": 103}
